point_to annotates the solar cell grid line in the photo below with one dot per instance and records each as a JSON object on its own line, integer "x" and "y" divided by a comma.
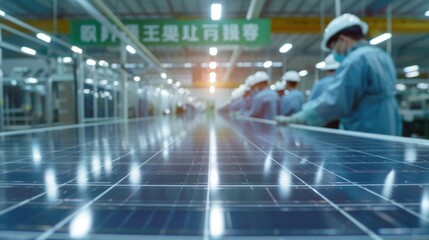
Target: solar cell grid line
{"x": 359, "y": 224}
{"x": 364, "y": 188}
{"x": 57, "y": 226}
{"x": 24, "y": 202}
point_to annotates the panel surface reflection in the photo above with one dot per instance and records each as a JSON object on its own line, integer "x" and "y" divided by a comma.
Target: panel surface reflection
{"x": 210, "y": 177}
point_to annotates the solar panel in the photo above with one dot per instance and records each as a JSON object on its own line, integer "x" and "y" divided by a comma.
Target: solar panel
{"x": 210, "y": 178}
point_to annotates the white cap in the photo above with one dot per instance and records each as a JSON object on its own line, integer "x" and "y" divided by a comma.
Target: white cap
{"x": 340, "y": 23}
{"x": 291, "y": 76}
{"x": 260, "y": 77}
{"x": 280, "y": 86}
{"x": 249, "y": 80}
{"x": 331, "y": 63}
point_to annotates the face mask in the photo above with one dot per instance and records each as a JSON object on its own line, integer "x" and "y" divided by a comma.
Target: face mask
{"x": 339, "y": 57}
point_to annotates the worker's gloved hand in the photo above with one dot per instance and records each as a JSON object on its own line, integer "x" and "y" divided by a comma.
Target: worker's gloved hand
{"x": 282, "y": 120}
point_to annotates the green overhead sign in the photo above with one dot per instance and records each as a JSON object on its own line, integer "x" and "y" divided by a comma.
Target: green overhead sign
{"x": 177, "y": 32}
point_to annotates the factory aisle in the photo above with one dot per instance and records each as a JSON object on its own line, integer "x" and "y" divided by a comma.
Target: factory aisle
{"x": 209, "y": 178}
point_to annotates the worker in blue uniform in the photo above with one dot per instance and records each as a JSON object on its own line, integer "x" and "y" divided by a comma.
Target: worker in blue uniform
{"x": 330, "y": 66}
{"x": 322, "y": 85}
{"x": 293, "y": 101}
{"x": 280, "y": 88}
{"x": 362, "y": 95}
{"x": 248, "y": 95}
{"x": 264, "y": 100}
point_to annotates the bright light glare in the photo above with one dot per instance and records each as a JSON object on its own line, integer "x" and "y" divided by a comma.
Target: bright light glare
{"x": 164, "y": 75}
{"x": 401, "y": 87}
{"x": 213, "y": 51}
{"x": 103, "y": 63}
{"x": 76, "y": 49}
{"x": 91, "y": 62}
{"x": 383, "y": 37}
{"x": 67, "y": 59}
{"x": 43, "y": 37}
{"x": 412, "y": 74}
{"x": 212, "y": 65}
{"x": 216, "y": 11}
{"x": 411, "y": 68}
{"x": 423, "y": 85}
{"x": 285, "y": 48}
{"x": 2, "y": 13}
{"x": 137, "y": 78}
{"x": 170, "y": 81}
{"x": 130, "y": 49}
{"x": 426, "y": 13}
{"x": 28, "y": 50}
{"x": 31, "y": 80}
{"x": 303, "y": 73}
{"x": 321, "y": 65}
{"x": 268, "y": 64}
{"x": 81, "y": 224}
{"x": 89, "y": 81}
{"x": 212, "y": 89}
{"x": 104, "y": 82}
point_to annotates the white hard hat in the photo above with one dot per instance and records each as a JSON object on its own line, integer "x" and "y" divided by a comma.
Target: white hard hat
{"x": 331, "y": 63}
{"x": 291, "y": 76}
{"x": 340, "y": 23}
{"x": 249, "y": 80}
{"x": 280, "y": 86}
{"x": 260, "y": 77}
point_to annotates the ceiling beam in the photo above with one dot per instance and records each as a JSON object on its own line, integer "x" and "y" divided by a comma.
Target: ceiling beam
{"x": 254, "y": 11}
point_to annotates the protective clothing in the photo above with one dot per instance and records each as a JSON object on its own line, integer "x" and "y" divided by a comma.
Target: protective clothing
{"x": 321, "y": 86}
{"x": 292, "y": 102}
{"x": 362, "y": 95}
{"x": 264, "y": 104}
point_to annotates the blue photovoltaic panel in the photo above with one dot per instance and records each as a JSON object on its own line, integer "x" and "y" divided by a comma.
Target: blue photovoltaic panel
{"x": 210, "y": 178}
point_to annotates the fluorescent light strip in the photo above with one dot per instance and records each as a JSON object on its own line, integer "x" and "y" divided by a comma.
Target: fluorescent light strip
{"x": 130, "y": 49}
{"x": 43, "y": 37}
{"x": 303, "y": 73}
{"x": 76, "y": 49}
{"x": 383, "y": 37}
{"x": 268, "y": 64}
{"x": 216, "y": 11}
{"x": 321, "y": 64}
{"x": 412, "y": 74}
{"x": 285, "y": 48}
{"x": 213, "y": 51}
{"x": 412, "y": 68}
{"x": 91, "y": 62}
{"x": 28, "y": 50}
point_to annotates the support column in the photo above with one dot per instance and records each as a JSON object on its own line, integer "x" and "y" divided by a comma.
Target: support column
{"x": 80, "y": 85}
{"x": 389, "y": 29}
{"x": 1, "y": 87}
{"x": 124, "y": 84}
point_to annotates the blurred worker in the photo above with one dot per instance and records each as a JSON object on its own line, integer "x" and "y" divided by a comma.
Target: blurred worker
{"x": 237, "y": 100}
{"x": 362, "y": 95}
{"x": 280, "y": 89}
{"x": 293, "y": 101}
{"x": 323, "y": 84}
{"x": 248, "y": 93}
{"x": 264, "y": 100}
